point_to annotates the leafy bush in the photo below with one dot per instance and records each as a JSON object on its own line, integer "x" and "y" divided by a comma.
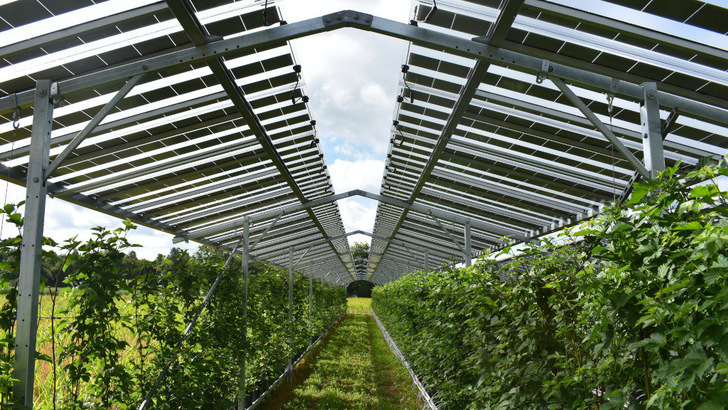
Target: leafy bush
{"x": 125, "y": 320}
{"x": 626, "y": 310}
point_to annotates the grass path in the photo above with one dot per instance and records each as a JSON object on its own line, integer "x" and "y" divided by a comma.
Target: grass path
{"x": 354, "y": 370}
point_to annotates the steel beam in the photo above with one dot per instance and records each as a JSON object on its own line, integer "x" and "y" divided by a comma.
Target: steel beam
{"x": 32, "y": 245}
{"x": 652, "y": 130}
{"x": 290, "y": 315}
{"x": 80, "y": 29}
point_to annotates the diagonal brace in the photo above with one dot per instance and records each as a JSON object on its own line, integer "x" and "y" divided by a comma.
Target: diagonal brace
{"x": 449, "y": 235}
{"x": 96, "y": 120}
{"x": 608, "y": 134}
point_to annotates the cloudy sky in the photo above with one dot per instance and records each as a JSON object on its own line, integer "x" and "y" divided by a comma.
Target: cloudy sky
{"x": 351, "y": 78}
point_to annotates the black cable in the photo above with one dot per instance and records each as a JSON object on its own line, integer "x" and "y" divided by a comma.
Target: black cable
{"x": 304, "y": 98}
{"x": 265, "y": 13}
{"x": 432, "y": 11}
{"x": 405, "y": 69}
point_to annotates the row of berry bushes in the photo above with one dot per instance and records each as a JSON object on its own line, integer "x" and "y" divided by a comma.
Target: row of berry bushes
{"x": 627, "y": 310}
{"x": 112, "y": 331}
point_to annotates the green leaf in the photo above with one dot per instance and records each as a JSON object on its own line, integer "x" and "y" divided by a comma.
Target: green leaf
{"x": 686, "y": 226}
{"x": 703, "y": 191}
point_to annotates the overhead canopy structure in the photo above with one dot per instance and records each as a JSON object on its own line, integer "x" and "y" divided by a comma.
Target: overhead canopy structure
{"x": 515, "y": 118}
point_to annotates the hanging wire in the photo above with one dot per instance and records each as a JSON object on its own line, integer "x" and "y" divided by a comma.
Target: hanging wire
{"x": 405, "y": 69}
{"x": 265, "y": 13}
{"x": 16, "y": 125}
{"x": 432, "y": 11}
{"x": 304, "y": 98}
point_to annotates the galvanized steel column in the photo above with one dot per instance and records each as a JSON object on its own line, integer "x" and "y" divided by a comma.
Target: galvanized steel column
{"x": 468, "y": 251}
{"x": 310, "y": 309}
{"x": 246, "y": 263}
{"x": 427, "y": 260}
{"x": 290, "y": 315}
{"x": 652, "y": 130}
{"x": 30, "y": 255}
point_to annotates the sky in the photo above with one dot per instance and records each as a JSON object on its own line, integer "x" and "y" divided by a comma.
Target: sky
{"x": 351, "y": 78}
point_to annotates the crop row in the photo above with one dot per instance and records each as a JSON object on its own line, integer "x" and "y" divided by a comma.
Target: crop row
{"x": 108, "y": 337}
{"x": 627, "y": 310}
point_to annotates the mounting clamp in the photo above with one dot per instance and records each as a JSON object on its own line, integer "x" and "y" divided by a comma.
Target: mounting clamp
{"x": 544, "y": 72}
{"x": 347, "y": 18}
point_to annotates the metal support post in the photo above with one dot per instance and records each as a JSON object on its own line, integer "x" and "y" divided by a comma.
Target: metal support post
{"x": 468, "y": 250}
{"x": 427, "y": 260}
{"x": 652, "y": 130}
{"x": 246, "y": 269}
{"x": 30, "y": 257}
{"x": 290, "y": 315}
{"x": 310, "y": 309}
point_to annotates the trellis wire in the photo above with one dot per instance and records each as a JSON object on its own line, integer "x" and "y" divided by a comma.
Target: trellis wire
{"x": 189, "y": 328}
{"x": 429, "y": 403}
{"x": 280, "y": 378}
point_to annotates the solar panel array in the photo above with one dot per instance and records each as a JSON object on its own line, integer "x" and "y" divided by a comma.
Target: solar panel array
{"x": 490, "y": 142}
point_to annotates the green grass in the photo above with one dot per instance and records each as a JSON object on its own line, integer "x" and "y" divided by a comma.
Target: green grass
{"x": 43, "y": 389}
{"x": 358, "y": 305}
{"x": 354, "y": 370}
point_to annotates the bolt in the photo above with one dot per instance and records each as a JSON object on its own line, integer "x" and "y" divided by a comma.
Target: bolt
{"x": 145, "y": 67}
{"x": 36, "y": 180}
{"x": 338, "y": 17}
{"x": 651, "y": 94}
{"x": 41, "y": 92}
{"x": 356, "y": 17}
{"x": 551, "y": 69}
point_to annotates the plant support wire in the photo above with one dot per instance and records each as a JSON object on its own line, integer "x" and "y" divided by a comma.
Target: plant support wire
{"x": 429, "y": 403}
{"x": 189, "y": 328}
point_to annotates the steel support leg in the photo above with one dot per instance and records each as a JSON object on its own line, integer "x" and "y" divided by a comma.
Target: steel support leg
{"x": 468, "y": 250}
{"x": 652, "y": 130}
{"x": 30, "y": 258}
{"x": 310, "y": 308}
{"x": 246, "y": 266}
{"x": 290, "y": 315}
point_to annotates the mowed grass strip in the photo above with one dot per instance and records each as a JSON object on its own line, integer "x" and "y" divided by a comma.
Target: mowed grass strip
{"x": 354, "y": 370}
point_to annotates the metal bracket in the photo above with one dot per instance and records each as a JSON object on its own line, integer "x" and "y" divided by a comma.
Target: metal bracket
{"x": 545, "y": 69}
{"x": 669, "y": 122}
{"x": 347, "y": 17}
{"x": 55, "y": 93}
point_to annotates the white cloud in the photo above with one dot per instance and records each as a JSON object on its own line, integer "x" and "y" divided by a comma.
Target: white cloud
{"x": 360, "y": 174}
{"x": 358, "y": 214}
{"x": 351, "y": 76}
